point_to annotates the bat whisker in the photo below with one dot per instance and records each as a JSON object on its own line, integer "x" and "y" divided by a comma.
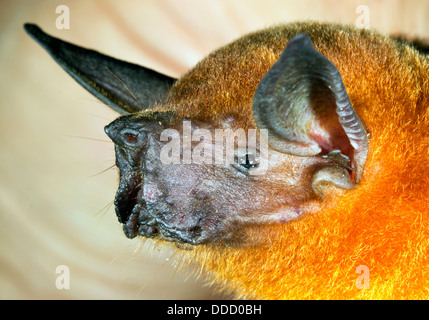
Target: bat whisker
{"x": 126, "y": 87}
{"x": 101, "y": 172}
{"x": 89, "y": 138}
{"x": 114, "y": 259}
{"x": 176, "y": 269}
{"x": 104, "y": 209}
{"x": 159, "y": 210}
{"x": 138, "y": 249}
{"x": 98, "y": 116}
{"x": 156, "y": 272}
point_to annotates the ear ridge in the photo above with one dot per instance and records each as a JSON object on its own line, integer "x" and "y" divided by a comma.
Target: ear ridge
{"x": 351, "y": 123}
{"x": 125, "y": 87}
{"x": 303, "y": 103}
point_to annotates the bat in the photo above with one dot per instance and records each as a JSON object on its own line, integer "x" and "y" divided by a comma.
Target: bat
{"x": 284, "y": 162}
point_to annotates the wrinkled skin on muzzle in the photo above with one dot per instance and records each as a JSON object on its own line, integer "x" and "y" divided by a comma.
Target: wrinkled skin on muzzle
{"x": 169, "y": 201}
{"x": 189, "y": 202}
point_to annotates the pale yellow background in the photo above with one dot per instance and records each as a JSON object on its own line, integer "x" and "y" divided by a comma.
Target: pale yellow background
{"x": 51, "y": 195}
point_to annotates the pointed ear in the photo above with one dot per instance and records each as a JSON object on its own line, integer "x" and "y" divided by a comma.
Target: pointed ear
{"x": 304, "y": 105}
{"x": 126, "y": 87}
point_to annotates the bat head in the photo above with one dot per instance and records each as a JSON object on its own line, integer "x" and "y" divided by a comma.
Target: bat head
{"x": 261, "y": 138}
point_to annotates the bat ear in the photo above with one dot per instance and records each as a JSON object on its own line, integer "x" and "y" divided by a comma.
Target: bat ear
{"x": 304, "y": 105}
{"x": 125, "y": 87}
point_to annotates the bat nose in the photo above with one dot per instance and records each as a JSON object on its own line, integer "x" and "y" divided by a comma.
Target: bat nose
{"x": 126, "y": 134}
{"x": 109, "y": 131}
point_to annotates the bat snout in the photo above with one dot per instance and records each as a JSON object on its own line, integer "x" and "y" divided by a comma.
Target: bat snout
{"x": 146, "y": 210}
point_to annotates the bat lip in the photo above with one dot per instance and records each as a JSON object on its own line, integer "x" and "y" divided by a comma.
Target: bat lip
{"x": 163, "y": 231}
{"x": 142, "y": 222}
{"x": 181, "y": 235}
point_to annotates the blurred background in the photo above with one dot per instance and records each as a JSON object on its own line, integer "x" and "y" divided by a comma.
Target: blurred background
{"x": 56, "y": 188}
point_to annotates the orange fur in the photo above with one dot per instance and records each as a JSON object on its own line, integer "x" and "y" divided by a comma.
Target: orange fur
{"x": 383, "y": 223}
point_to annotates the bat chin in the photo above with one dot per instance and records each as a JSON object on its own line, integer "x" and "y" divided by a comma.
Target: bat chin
{"x": 143, "y": 222}
{"x": 179, "y": 236}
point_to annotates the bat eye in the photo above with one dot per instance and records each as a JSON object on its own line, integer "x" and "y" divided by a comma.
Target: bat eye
{"x": 132, "y": 138}
{"x": 127, "y": 132}
{"x": 246, "y": 162}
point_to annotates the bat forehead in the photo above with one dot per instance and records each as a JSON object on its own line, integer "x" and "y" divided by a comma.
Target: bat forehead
{"x": 225, "y": 81}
